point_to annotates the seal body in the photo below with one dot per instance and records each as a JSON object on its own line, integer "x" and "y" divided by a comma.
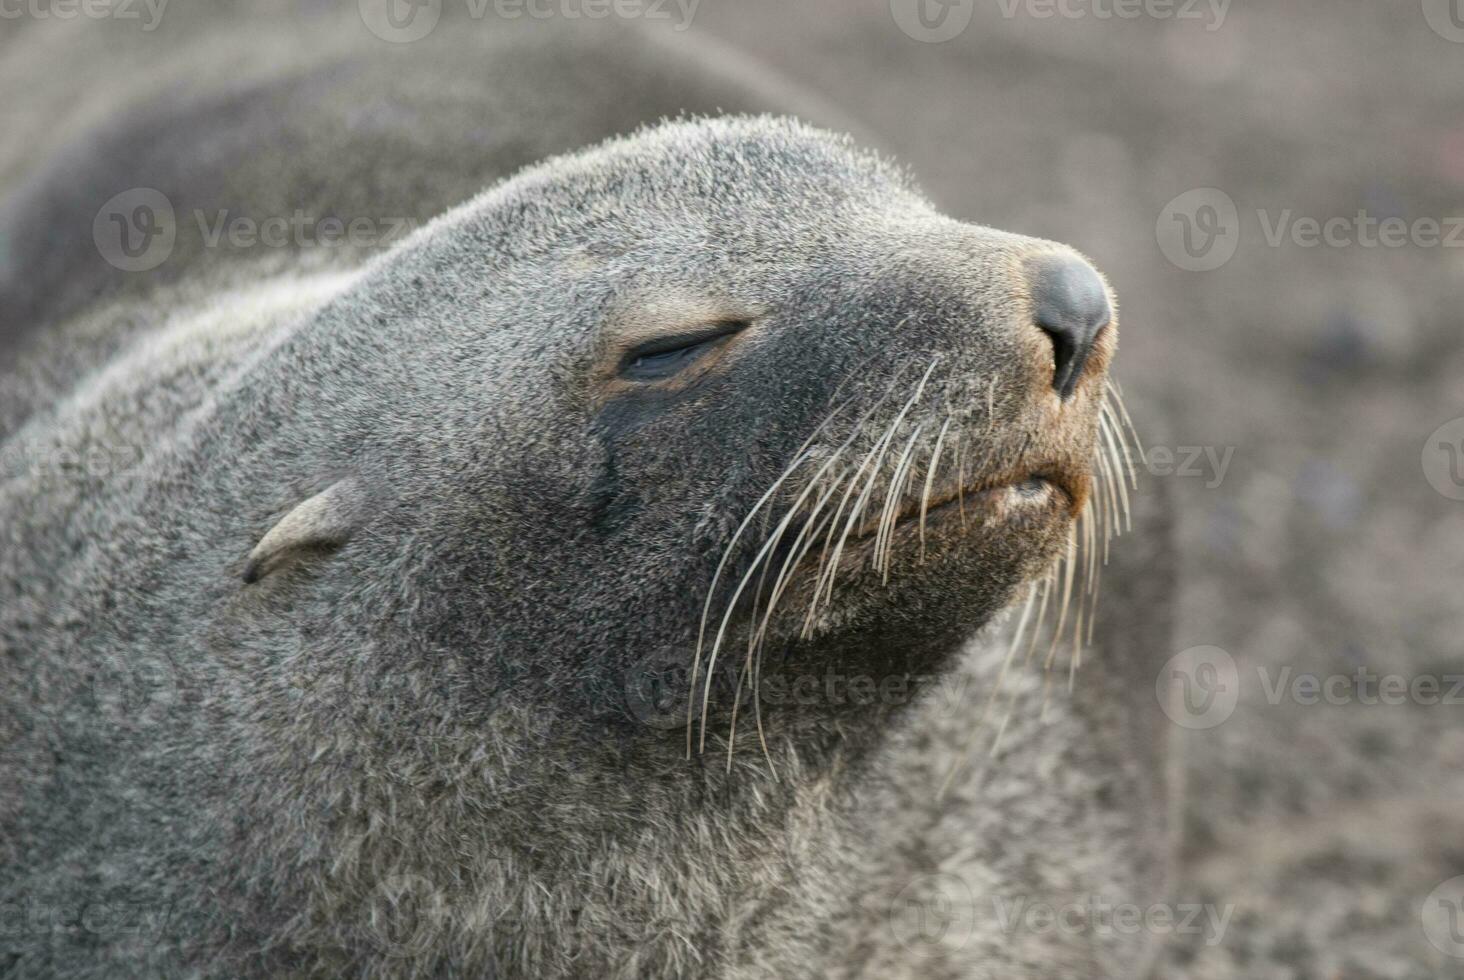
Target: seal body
{"x": 349, "y": 593}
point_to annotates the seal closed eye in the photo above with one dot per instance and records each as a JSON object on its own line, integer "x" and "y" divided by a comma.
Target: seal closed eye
{"x": 666, "y": 356}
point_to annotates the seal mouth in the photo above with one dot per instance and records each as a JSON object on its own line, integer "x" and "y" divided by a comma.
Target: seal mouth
{"x": 1005, "y": 500}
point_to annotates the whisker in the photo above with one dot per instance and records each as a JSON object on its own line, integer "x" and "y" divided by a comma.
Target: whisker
{"x": 1068, "y": 568}
{"x": 747, "y": 662}
{"x": 803, "y": 453}
{"x": 736, "y": 703}
{"x": 1046, "y": 697}
{"x": 762, "y": 554}
{"x": 721, "y": 566}
{"x": 1048, "y": 584}
{"x": 812, "y": 613}
{"x": 1121, "y": 440}
{"x": 802, "y": 544}
{"x": 1093, "y": 608}
{"x": 1117, "y": 390}
{"x": 883, "y": 447}
{"x": 991, "y": 698}
{"x": 1077, "y": 572}
{"x": 829, "y": 544}
{"x": 1116, "y": 477}
{"x": 961, "y": 479}
{"x": 1094, "y": 568}
{"x": 757, "y": 638}
{"x": 891, "y": 499}
{"x": 930, "y": 481}
{"x": 1076, "y": 660}
{"x": 1090, "y": 552}
{"x": 1000, "y": 731}
{"x": 898, "y": 487}
{"x": 1102, "y": 499}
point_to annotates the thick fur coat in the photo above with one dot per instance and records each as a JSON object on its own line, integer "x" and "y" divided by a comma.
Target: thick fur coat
{"x": 419, "y": 743}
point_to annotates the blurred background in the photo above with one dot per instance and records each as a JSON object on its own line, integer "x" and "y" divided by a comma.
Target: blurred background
{"x": 1276, "y": 192}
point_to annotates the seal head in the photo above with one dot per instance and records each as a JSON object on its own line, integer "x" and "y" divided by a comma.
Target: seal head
{"x": 736, "y": 352}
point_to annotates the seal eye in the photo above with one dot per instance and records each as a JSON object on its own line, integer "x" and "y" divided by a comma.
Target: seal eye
{"x": 668, "y": 356}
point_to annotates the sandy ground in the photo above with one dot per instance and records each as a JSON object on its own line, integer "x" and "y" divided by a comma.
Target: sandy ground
{"x": 1322, "y": 547}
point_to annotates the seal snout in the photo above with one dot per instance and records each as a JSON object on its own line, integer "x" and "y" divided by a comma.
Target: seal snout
{"x": 1070, "y": 305}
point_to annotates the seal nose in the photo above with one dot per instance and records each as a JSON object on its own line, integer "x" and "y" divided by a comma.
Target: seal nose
{"x": 1070, "y": 306}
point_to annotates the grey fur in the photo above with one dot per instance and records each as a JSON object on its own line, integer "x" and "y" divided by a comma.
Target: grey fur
{"x": 422, "y": 753}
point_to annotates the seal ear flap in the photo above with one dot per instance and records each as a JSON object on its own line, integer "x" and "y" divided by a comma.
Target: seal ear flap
{"x": 326, "y": 520}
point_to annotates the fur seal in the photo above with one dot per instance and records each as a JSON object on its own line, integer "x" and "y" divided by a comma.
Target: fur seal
{"x": 577, "y": 586}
